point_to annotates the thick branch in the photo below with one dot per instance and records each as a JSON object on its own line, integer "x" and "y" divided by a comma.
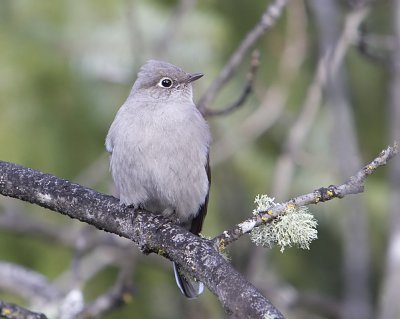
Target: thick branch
{"x": 152, "y": 233}
{"x": 354, "y": 185}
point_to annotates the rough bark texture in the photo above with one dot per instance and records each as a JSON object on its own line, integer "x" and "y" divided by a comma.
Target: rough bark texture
{"x": 12, "y": 311}
{"x": 150, "y": 232}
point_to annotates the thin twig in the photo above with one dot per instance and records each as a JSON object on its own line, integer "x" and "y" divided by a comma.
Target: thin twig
{"x": 327, "y": 68}
{"x": 354, "y": 185}
{"x": 248, "y": 88}
{"x": 273, "y": 101}
{"x": 94, "y": 262}
{"x": 268, "y": 19}
{"x": 120, "y": 294}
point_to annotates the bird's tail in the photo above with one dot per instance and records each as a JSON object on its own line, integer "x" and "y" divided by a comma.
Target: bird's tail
{"x": 190, "y": 287}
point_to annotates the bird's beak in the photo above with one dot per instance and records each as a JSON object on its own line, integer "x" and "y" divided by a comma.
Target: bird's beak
{"x": 194, "y": 77}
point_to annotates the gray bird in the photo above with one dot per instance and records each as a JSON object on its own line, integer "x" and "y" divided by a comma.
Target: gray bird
{"x": 159, "y": 145}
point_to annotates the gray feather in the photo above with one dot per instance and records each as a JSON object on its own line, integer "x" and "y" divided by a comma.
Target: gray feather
{"x": 159, "y": 146}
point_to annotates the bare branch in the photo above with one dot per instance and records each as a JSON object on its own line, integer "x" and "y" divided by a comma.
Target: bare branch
{"x": 273, "y": 101}
{"x": 343, "y": 140}
{"x": 248, "y": 88}
{"x": 151, "y": 232}
{"x": 268, "y": 19}
{"x": 27, "y": 283}
{"x": 389, "y": 307}
{"x": 12, "y": 311}
{"x": 327, "y": 68}
{"x": 354, "y": 185}
{"x": 120, "y": 294}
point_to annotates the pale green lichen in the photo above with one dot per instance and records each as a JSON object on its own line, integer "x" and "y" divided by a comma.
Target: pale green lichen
{"x": 295, "y": 227}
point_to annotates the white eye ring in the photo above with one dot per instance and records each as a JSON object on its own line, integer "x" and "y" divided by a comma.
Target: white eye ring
{"x": 165, "y": 82}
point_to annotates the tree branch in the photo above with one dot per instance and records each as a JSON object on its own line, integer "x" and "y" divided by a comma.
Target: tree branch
{"x": 248, "y": 88}
{"x": 268, "y": 19}
{"x": 12, "y": 311}
{"x": 354, "y": 185}
{"x": 274, "y": 99}
{"x": 120, "y": 294}
{"x": 151, "y": 232}
{"x": 27, "y": 283}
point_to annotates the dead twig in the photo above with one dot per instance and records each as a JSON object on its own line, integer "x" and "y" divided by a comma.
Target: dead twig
{"x": 248, "y": 88}
{"x": 121, "y": 293}
{"x": 268, "y": 19}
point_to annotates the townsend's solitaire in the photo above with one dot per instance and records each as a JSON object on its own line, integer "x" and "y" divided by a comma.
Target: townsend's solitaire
{"x": 159, "y": 146}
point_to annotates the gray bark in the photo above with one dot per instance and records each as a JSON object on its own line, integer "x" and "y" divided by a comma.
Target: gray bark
{"x": 389, "y": 307}
{"x": 356, "y": 254}
{"x": 151, "y": 232}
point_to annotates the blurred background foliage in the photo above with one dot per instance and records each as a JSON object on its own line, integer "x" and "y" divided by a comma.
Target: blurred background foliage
{"x": 67, "y": 66}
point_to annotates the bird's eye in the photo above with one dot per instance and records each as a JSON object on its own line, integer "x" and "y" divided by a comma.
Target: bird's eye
{"x": 165, "y": 82}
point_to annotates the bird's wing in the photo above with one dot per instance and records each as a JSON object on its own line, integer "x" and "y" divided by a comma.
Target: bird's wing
{"x": 197, "y": 222}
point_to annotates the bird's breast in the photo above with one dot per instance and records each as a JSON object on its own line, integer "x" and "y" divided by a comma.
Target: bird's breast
{"x": 163, "y": 154}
